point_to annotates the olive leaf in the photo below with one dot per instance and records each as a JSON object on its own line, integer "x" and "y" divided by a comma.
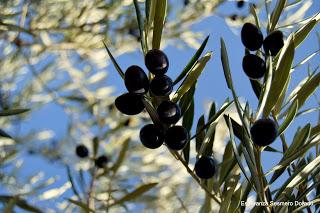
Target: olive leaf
{"x": 135, "y": 193}
{"x": 82, "y": 205}
{"x": 141, "y": 27}
{"x": 304, "y": 31}
{"x": 159, "y": 19}
{"x": 192, "y": 77}
{"x": 281, "y": 75}
{"x": 307, "y": 89}
{"x": 289, "y": 119}
{"x": 297, "y": 178}
{"x": 192, "y": 62}
{"x": 115, "y": 64}
{"x": 20, "y": 203}
{"x": 10, "y": 112}
{"x": 201, "y": 134}
{"x": 122, "y": 155}
{"x": 275, "y": 15}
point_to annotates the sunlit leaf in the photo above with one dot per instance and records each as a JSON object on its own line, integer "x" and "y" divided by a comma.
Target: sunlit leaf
{"x": 159, "y": 19}
{"x": 135, "y": 193}
{"x": 192, "y": 77}
{"x": 289, "y": 119}
{"x": 192, "y": 62}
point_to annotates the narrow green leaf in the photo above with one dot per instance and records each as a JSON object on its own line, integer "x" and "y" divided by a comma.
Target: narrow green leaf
{"x": 9, "y": 207}
{"x": 308, "y": 89}
{"x": 152, "y": 112}
{"x": 228, "y": 162}
{"x": 73, "y": 186}
{"x": 136, "y": 193}
{"x": 187, "y": 99}
{"x": 115, "y": 64}
{"x": 212, "y": 125}
{"x": 304, "y": 31}
{"x": 235, "y": 200}
{"x": 187, "y": 122}
{"x": 202, "y": 134}
{"x": 141, "y": 27}
{"x": 315, "y": 130}
{"x": 225, "y": 204}
{"x": 237, "y": 129}
{"x": 306, "y": 59}
{"x": 302, "y": 207}
{"x": 159, "y": 20}
{"x": 122, "y": 156}
{"x": 192, "y": 77}
{"x": 271, "y": 149}
{"x": 289, "y": 119}
{"x": 254, "y": 13}
{"x": 281, "y": 75}
{"x": 82, "y": 205}
{"x": 212, "y": 110}
{"x": 225, "y": 64}
{"x": 292, "y": 152}
{"x": 9, "y": 112}
{"x": 4, "y": 134}
{"x": 257, "y": 87}
{"x": 279, "y": 104}
{"x": 266, "y": 89}
{"x": 192, "y": 62}
{"x": 235, "y": 151}
{"x": 275, "y": 15}
{"x": 295, "y": 179}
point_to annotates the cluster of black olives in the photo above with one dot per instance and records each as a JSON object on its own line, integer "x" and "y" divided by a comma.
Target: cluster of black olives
{"x": 83, "y": 152}
{"x": 263, "y": 131}
{"x": 153, "y": 136}
{"x": 137, "y": 83}
{"x": 252, "y": 39}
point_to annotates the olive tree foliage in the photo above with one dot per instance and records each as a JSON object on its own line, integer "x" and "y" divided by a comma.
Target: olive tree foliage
{"x": 52, "y": 53}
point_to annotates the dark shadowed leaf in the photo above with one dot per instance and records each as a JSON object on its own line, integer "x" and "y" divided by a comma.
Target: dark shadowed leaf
{"x": 200, "y": 137}
{"x": 4, "y": 134}
{"x": 115, "y": 64}
{"x": 82, "y": 205}
{"x": 9, "y": 112}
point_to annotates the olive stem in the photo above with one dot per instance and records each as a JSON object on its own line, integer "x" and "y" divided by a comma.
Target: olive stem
{"x": 184, "y": 163}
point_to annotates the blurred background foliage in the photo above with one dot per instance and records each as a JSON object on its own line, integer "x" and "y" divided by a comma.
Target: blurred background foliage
{"x": 52, "y": 53}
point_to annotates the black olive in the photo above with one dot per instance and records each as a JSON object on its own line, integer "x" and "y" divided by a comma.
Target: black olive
{"x": 251, "y": 36}
{"x": 82, "y": 151}
{"x": 161, "y": 85}
{"x": 273, "y": 43}
{"x": 254, "y": 66}
{"x": 136, "y": 80}
{"x": 176, "y": 137}
{"x": 205, "y": 167}
{"x": 169, "y": 112}
{"x": 157, "y": 62}
{"x": 152, "y": 136}
{"x": 101, "y": 161}
{"x": 129, "y": 104}
{"x": 263, "y": 132}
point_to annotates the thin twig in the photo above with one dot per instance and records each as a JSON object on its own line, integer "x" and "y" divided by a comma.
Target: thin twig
{"x": 178, "y": 156}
